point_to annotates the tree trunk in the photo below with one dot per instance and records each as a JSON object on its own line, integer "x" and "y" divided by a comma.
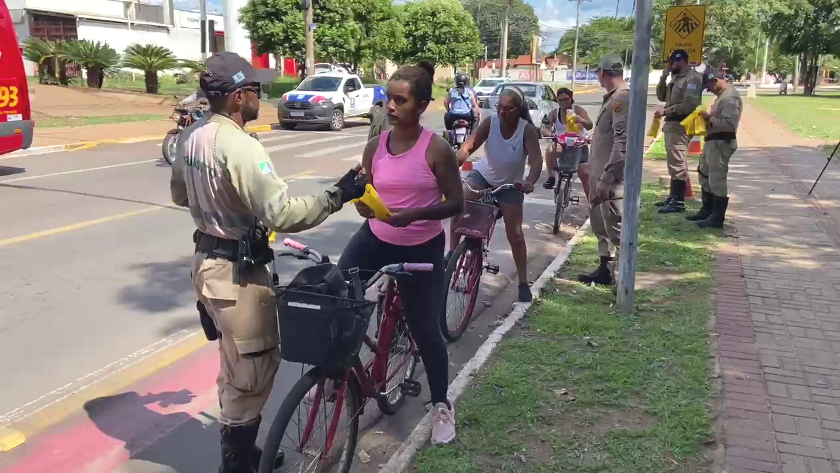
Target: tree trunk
{"x": 92, "y": 77}
{"x": 152, "y": 84}
{"x": 61, "y": 67}
{"x": 809, "y": 63}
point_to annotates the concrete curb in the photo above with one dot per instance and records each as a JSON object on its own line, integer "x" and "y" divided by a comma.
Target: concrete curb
{"x": 91, "y": 144}
{"x": 401, "y": 459}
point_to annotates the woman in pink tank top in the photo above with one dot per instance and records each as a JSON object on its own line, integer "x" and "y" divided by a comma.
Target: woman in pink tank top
{"x": 412, "y": 170}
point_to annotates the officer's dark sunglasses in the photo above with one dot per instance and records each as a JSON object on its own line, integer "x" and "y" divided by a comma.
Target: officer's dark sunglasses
{"x": 256, "y": 88}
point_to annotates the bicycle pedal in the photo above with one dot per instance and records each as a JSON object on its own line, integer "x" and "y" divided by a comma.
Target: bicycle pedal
{"x": 575, "y": 200}
{"x": 411, "y": 388}
{"x": 491, "y": 268}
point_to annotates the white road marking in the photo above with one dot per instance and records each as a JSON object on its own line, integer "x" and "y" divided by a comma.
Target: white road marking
{"x": 18, "y": 179}
{"x": 296, "y": 144}
{"x": 334, "y": 149}
{"x": 355, "y": 158}
{"x": 537, "y": 200}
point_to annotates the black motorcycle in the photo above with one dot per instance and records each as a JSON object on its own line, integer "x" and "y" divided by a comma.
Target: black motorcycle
{"x": 458, "y": 135}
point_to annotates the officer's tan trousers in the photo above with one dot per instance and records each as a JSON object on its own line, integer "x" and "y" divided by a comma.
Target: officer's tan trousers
{"x": 243, "y": 310}
{"x": 676, "y": 147}
{"x": 714, "y": 166}
{"x": 605, "y": 219}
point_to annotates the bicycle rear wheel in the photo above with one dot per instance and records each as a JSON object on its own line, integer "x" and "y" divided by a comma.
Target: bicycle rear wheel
{"x": 561, "y": 201}
{"x": 462, "y": 276}
{"x": 316, "y": 428}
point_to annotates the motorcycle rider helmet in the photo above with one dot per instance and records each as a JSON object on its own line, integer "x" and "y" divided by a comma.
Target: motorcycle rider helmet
{"x": 461, "y": 80}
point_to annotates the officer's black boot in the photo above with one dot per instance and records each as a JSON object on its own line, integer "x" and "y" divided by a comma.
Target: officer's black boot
{"x": 719, "y": 205}
{"x": 663, "y": 203}
{"x": 677, "y": 204}
{"x": 603, "y": 274}
{"x": 238, "y": 445}
{"x": 705, "y": 211}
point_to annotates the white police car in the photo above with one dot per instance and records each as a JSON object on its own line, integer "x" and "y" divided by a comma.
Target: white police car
{"x": 328, "y": 99}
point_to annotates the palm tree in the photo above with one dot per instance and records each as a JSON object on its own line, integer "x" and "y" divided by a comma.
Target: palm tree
{"x": 94, "y": 57}
{"x": 150, "y": 59}
{"x": 195, "y": 67}
{"x": 43, "y": 53}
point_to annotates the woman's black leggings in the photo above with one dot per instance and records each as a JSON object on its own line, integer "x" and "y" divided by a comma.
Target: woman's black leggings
{"x": 421, "y": 294}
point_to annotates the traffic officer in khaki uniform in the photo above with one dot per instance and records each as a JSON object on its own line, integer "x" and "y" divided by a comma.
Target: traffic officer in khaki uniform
{"x": 232, "y": 190}
{"x": 606, "y": 161}
{"x": 681, "y": 96}
{"x": 721, "y": 125}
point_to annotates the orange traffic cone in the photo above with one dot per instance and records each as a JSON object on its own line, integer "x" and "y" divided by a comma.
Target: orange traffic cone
{"x": 688, "y": 193}
{"x": 695, "y": 148}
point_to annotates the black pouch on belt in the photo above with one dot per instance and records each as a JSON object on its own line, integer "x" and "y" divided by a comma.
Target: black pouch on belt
{"x": 207, "y": 324}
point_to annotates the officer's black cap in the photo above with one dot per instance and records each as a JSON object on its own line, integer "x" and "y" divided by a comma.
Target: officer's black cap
{"x": 227, "y": 72}
{"x": 710, "y": 75}
{"x": 677, "y": 55}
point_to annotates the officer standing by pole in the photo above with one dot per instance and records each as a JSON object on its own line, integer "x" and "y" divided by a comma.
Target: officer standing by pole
{"x": 721, "y": 125}
{"x": 228, "y": 181}
{"x": 681, "y": 96}
{"x": 606, "y": 160}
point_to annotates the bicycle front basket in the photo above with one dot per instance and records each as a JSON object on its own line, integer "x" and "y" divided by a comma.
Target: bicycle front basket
{"x": 321, "y": 330}
{"x": 476, "y": 220}
{"x": 569, "y": 159}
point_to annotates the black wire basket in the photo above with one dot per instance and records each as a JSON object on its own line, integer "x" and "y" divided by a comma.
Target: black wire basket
{"x": 321, "y": 330}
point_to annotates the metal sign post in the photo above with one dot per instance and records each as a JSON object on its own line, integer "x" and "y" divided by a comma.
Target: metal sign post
{"x": 633, "y": 160}
{"x": 684, "y": 28}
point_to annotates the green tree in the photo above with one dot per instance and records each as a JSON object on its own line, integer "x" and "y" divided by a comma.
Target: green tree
{"x": 440, "y": 31}
{"x": 488, "y": 16}
{"x": 276, "y": 26}
{"x": 151, "y": 59}
{"x": 50, "y": 57}
{"x": 601, "y": 35}
{"x": 381, "y": 30}
{"x": 94, "y": 57}
{"x": 807, "y": 28}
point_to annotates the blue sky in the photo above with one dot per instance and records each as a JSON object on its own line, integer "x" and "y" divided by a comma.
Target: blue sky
{"x": 556, "y": 16}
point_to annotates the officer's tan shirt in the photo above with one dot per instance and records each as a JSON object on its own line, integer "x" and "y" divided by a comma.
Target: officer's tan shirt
{"x": 725, "y": 112}
{"x": 609, "y": 139}
{"x": 379, "y": 124}
{"x": 683, "y": 94}
{"x": 228, "y": 182}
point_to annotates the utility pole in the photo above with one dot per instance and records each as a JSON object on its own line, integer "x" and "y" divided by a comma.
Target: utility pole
{"x": 764, "y": 64}
{"x": 202, "y": 8}
{"x": 616, "y": 8}
{"x": 503, "y": 51}
{"x": 574, "y": 54}
{"x": 309, "y": 36}
{"x": 633, "y": 164}
{"x": 757, "y": 44}
{"x": 796, "y": 72}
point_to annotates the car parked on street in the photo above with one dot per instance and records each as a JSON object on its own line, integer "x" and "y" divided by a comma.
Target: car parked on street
{"x": 485, "y": 87}
{"x": 328, "y": 99}
{"x": 541, "y": 99}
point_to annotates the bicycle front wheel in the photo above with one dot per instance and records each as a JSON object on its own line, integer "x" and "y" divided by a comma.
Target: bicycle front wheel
{"x": 561, "y": 201}
{"x": 316, "y": 428}
{"x": 462, "y": 276}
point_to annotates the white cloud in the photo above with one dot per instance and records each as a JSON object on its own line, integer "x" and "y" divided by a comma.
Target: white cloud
{"x": 558, "y": 16}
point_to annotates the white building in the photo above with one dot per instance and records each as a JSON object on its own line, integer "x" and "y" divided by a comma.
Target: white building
{"x": 122, "y": 23}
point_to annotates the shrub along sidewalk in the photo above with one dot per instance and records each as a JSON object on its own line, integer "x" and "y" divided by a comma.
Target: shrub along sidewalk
{"x": 579, "y": 388}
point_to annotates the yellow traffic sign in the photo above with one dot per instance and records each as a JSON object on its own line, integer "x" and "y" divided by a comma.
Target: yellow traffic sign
{"x": 684, "y": 27}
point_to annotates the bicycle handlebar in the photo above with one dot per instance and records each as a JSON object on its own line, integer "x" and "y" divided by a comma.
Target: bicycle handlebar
{"x": 418, "y": 267}
{"x": 294, "y": 244}
{"x": 492, "y": 191}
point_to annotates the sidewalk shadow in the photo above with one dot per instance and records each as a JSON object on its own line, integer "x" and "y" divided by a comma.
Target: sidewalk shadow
{"x": 128, "y": 417}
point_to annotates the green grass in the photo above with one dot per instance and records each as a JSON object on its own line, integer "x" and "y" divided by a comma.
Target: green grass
{"x": 657, "y": 151}
{"x": 640, "y": 385}
{"x": 810, "y": 117}
{"x": 50, "y": 122}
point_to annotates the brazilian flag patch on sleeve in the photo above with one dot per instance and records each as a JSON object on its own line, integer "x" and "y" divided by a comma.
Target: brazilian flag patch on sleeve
{"x": 265, "y": 168}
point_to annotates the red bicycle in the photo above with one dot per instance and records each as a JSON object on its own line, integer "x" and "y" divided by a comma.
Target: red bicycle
{"x": 317, "y": 425}
{"x": 466, "y": 263}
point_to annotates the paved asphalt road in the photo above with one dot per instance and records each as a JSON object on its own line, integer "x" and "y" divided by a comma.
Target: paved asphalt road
{"x": 103, "y": 365}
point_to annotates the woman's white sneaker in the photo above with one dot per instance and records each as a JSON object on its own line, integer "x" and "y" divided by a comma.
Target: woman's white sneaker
{"x": 443, "y": 424}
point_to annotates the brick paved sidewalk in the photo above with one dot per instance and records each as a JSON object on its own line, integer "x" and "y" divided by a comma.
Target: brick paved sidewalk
{"x": 778, "y": 307}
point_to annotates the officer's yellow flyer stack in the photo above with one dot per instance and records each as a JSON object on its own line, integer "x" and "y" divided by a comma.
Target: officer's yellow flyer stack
{"x": 694, "y": 124}
{"x": 372, "y": 200}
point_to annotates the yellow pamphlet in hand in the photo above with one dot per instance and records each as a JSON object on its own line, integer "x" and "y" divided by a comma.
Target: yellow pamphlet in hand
{"x": 272, "y": 236}
{"x": 372, "y": 200}
{"x": 654, "y": 127}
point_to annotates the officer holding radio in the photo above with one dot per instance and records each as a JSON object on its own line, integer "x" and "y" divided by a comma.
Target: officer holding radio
{"x": 228, "y": 181}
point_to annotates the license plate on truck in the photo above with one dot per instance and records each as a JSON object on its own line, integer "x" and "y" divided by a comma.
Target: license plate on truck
{"x": 296, "y": 113}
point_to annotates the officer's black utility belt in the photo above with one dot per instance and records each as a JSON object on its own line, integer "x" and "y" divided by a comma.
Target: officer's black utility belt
{"x": 215, "y": 246}
{"x": 726, "y": 136}
{"x": 675, "y": 118}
